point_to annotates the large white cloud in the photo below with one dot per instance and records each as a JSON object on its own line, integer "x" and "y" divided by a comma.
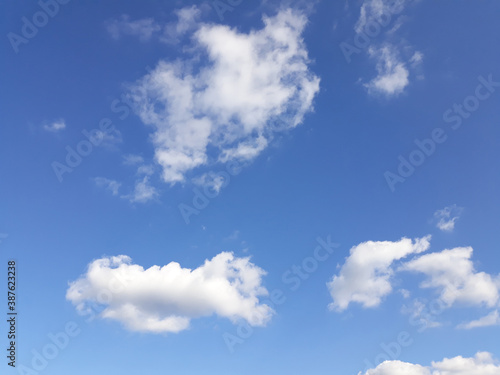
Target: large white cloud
{"x": 452, "y": 273}
{"x": 365, "y": 276}
{"x": 227, "y": 99}
{"x": 165, "y": 299}
{"x": 481, "y": 364}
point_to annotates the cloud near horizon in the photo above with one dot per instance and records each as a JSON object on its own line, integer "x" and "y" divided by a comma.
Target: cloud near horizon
{"x": 482, "y": 363}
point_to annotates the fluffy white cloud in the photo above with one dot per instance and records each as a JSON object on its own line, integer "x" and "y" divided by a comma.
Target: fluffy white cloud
{"x": 397, "y": 368}
{"x": 492, "y": 319}
{"x": 165, "y": 299}
{"x": 365, "y": 277}
{"x": 55, "y": 126}
{"x": 446, "y": 218}
{"x": 452, "y": 272}
{"x": 142, "y": 28}
{"x": 229, "y": 96}
{"x": 481, "y": 364}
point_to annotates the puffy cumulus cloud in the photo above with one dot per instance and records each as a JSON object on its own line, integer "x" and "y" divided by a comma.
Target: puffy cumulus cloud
{"x": 227, "y": 100}
{"x": 397, "y": 368}
{"x": 452, "y": 272}
{"x": 481, "y": 364}
{"x": 492, "y": 319}
{"x": 446, "y": 218}
{"x": 365, "y": 277}
{"x": 165, "y": 299}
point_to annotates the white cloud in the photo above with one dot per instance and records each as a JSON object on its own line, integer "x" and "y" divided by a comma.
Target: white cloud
{"x": 492, "y": 319}
{"x": 392, "y": 55}
{"x": 372, "y": 10}
{"x": 165, "y": 299}
{"x": 397, "y": 368}
{"x": 452, "y": 273}
{"x": 142, "y": 28}
{"x": 111, "y": 185}
{"x": 228, "y": 97}
{"x": 143, "y": 191}
{"x": 481, "y": 364}
{"x": 447, "y": 217}
{"x": 420, "y": 315}
{"x": 55, "y": 126}
{"x": 3, "y": 236}
{"x": 187, "y": 20}
{"x": 132, "y": 159}
{"x": 365, "y": 277}
{"x": 392, "y": 77}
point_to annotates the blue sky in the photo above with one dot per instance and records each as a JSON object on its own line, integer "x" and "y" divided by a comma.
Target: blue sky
{"x": 227, "y": 143}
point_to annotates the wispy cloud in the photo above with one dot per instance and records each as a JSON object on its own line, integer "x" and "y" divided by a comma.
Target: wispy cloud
{"x": 55, "y": 126}
{"x": 142, "y": 28}
{"x": 392, "y": 77}
{"x": 143, "y": 192}
{"x": 111, "y": 185}
{"x": 446, "y": 218}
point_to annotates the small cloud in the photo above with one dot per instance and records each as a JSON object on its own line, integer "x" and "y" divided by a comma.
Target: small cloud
{"x": 3, "y": 236}
{"x": 55, "y": 126}
{"x": 233, "y": 236}
{"x": 405, "y": 293}
{"x": 142, "y": 28}
{"x": 447, "y": 217}
{"x": 492, "y": 319}
{"x": 143, "y": 192}
{"x": 111, "y": 185}
{"x": 420, "y": 313}
{"x": 132, "y": 159}
{"x": 392, "y": 77}
{"x": 147, "y": 170}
